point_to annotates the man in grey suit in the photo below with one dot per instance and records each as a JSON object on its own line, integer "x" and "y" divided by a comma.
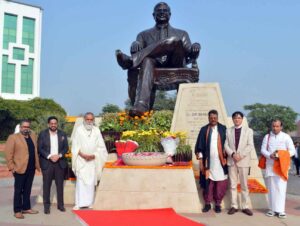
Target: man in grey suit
{"x": 238, "y": 146}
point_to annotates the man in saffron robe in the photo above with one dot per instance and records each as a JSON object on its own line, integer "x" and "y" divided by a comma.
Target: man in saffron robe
{"x": 88, "y": 157}
{"x": 273, "y": 142}
{"x": 209, "y": 150}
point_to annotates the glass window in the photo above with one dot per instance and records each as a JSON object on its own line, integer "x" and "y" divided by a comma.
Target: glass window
{"x": 10, "y": 29}
{"x": 27, "y": 77}
{"x": 28, "y": 33}
{"x": 8, "y": 76}
{"x": 18, "y": 53}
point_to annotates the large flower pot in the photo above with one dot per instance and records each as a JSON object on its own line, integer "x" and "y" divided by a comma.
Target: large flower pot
{"x": 145, "y": 159}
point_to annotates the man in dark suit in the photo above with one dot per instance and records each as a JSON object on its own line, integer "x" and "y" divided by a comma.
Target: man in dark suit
{"x": 52, "y": 147}
{"x": 160, "y": 46}
{"x": 210, "y": 152}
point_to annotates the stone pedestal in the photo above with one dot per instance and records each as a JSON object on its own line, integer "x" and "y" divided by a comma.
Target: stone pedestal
{"x": 122, "y": 189}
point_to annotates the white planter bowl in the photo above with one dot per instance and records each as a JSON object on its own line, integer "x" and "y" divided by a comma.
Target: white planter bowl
{"x": 144, "y": 159}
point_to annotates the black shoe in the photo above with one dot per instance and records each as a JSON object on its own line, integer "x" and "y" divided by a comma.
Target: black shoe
{"x": 62, "y": 209}
{"x": 206, "y": 208}
{"x": 232, "y": 211}
{"x": 123, "y": 60}
{"x": 247, "y": 212}
{"x": 218, "y": 209}
{"x": 47, "y": 211}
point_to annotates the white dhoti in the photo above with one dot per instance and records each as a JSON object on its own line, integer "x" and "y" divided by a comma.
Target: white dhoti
{"x": 277, "y": 193}
{"x": 85, "y": 187}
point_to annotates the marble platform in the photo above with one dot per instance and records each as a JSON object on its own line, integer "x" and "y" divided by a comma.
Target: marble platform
{"x": 122, "y": 189}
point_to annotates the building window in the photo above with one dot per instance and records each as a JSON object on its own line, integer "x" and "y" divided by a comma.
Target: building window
{"x": 27, "y": 77}
{"x": 8, "y": 76}
{"x": 10, "y": 29}
{"x": 28, "y": 33}
{"x": 18, "y": 53}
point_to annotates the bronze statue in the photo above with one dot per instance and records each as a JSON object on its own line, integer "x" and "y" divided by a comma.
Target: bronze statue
{"x": 159, "y": 47}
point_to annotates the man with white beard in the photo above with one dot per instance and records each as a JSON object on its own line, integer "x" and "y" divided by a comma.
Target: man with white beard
{"x": 88, "y": 157}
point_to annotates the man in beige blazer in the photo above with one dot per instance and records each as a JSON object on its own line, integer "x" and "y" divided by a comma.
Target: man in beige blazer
{"x": 238, "y": 146}
{"x": 22, "y": 160}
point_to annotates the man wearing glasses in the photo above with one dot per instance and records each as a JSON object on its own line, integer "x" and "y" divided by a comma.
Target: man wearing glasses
{"x": 22, "y": 160}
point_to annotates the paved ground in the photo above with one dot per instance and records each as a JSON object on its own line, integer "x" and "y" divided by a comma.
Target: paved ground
{"x": 57, "y": 218}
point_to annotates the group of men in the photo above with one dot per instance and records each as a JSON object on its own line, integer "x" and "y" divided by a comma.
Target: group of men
{"x": 222, "y": 153}
{"x": 226, "y": 153}
{"x": 26, "y": 153}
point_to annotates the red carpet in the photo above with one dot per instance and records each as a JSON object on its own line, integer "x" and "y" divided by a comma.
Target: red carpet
{"x": 153, "y": 217}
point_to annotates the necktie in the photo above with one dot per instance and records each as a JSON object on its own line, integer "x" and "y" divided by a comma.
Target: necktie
{"x": 163, "y": 33}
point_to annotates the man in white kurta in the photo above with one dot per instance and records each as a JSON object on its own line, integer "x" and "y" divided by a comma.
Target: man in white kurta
{"x": 274, "y": 141}
{"x": 89, "y": 155}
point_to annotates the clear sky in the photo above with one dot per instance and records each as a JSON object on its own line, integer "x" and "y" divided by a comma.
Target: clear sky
{"x": 252, "y": 48}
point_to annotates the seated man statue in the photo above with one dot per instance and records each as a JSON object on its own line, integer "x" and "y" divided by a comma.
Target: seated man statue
{"x": 159, "y": 47}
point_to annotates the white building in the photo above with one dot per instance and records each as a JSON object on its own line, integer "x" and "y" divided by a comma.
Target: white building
{"x": 20, "y": 42}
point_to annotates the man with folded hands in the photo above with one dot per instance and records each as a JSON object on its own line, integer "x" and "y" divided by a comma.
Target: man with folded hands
{"x": 239, "y": 145}
{"x": 89, "y": 155}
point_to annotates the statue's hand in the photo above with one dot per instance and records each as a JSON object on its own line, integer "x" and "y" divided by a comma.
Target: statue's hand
{"x": 135, "y": 47}
{"x": 195, "y": 49}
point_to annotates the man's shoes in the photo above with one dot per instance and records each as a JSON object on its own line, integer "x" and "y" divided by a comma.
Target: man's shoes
{"x": 19, "y": 215}
{"x": 30, "y": 211}
{"x": 206, "y": 208}
{"x": 123, "y": 60}
{"x": 76, "y": 208}
{"x": 247, "y": 212}
{"x": 270, "y": 213}
{"x": 46, "y": 211}
{"x": 218, "y": 209}
{"x": 282, "y": 215}
{"x": 62, "y": 209}
{"x": 232, "y": 211}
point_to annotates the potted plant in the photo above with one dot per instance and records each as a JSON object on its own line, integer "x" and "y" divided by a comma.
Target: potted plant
{"x": 183, "y": 154}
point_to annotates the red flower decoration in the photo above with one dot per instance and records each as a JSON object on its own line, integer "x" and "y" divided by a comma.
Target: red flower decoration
{"x": 125, "y": 146}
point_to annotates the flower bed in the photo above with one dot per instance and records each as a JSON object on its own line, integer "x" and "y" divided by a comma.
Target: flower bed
{"x": 254, "y": 186}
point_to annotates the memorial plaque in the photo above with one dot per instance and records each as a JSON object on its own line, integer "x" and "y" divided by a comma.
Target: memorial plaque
{"x": 193, "y": 103}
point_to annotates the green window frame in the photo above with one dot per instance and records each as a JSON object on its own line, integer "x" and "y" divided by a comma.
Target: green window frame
{"x": 9, "y": 29}
{"x": 18, "y": 53}
{"x": 8, "y": 76}
{"x": 27, "y": 77}
{"x": 28, "y": 33}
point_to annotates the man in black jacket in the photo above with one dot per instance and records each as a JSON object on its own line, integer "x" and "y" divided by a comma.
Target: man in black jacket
{"x": 52, "y": 147}
{"x": 210, "y": 152}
